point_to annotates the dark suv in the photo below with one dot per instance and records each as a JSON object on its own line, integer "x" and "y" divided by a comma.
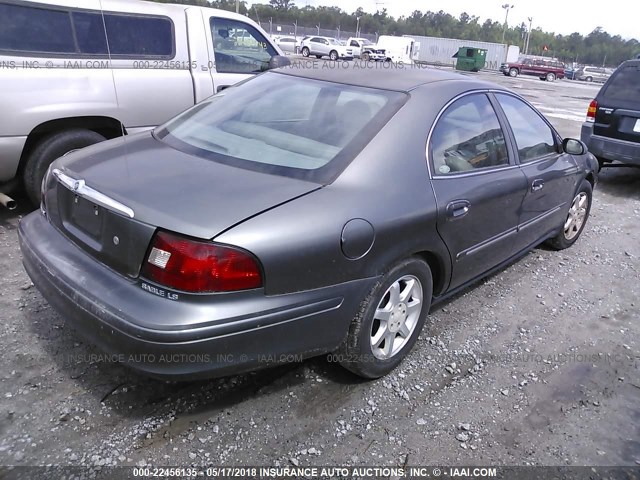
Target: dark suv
{"x": 545, "y": 69}
{"x": 612, "y": 128}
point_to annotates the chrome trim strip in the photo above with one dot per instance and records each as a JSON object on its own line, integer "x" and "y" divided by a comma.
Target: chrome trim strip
{"x": 540, "y": 217}
{"x": 79, "y": 187}
{"x": 487, "y": 243}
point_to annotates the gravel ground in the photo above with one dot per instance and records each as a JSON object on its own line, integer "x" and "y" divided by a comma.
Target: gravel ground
{"x": 536, "y": 365}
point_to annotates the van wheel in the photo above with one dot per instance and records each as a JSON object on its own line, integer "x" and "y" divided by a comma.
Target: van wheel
{"x": 389, "y": 320}
{"x": 333, "y": 55}
{"x": 49, "y": 149}
{"x": 305, "y": 52}
{"x": 551, "y": 77}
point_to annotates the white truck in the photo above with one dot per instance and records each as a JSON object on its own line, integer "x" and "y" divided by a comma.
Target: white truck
{"x": 75, "y": 75}
{"x": 365, "y": 49}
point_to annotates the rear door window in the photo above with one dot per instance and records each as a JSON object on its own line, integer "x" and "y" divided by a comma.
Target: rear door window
{"x": 468, "y": 137}
{"x": 624, "y": 85}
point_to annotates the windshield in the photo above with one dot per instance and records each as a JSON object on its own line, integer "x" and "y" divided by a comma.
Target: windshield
{"x": 333, "y": 41}
{"x": 284, "y": 125}
{"x": 366, "y": 42}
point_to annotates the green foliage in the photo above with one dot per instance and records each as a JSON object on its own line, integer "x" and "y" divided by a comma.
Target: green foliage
{"x": 597, "y": 48}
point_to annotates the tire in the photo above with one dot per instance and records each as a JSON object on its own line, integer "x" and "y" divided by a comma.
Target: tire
{"x": 49, "y": 149}
{"x": 551, "y": 77}
{"x": 367, "y": 351}
{"x": 365, "y": 57}
{"x": 305, "y": 51}
{"x": 333, "y": 55}
{"x": 513, "y": 72}
{"x": 588, "y": 79}
{"x": 577, "y": 217}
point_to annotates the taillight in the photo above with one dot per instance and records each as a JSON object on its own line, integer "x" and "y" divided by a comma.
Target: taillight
{"x": 203, "y": 267}
{"x": 591, "y": 112}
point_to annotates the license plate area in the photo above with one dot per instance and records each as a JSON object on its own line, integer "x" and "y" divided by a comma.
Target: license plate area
{"x": 87, "y": 216}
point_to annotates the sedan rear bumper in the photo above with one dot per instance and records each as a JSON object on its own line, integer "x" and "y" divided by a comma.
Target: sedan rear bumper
{"x": 610, "y": 148}
{"x": 195, "y": 337}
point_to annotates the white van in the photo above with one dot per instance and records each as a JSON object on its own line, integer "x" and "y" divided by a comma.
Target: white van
{"x": 72, "y": 76}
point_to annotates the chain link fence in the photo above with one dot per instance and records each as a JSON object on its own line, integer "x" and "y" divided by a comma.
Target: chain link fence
{"x": 290, "y": 30}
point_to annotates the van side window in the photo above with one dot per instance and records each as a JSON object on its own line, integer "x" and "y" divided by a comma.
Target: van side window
{"x": 40, "y": 30}
{"x": 239, "y": 47}
{"x": 90, "y": 33}
{"x": 139, "y": 36}
{"x": 29, "y": 29}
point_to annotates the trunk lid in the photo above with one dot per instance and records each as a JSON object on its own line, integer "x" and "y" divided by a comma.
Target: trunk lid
{"x": 136, "y": 184}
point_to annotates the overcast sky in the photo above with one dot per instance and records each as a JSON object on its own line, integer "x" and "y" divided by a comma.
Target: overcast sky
{"x": 617, "y": 17}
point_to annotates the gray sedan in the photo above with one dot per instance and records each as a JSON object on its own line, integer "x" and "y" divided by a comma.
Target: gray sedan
{"x": 301, "y": 213}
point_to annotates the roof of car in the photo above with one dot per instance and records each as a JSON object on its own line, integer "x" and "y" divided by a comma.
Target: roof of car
{"x": 389, "y": 76}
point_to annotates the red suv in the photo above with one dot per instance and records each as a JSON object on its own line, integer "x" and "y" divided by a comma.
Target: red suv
{"x": 545, "y": 69}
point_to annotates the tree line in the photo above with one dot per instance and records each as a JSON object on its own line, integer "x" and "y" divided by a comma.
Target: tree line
{"x": 596, "y": 48}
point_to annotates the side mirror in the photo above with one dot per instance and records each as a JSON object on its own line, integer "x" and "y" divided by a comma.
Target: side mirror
{"x": 573, "y": 146}
{"x": 278, "y": 61}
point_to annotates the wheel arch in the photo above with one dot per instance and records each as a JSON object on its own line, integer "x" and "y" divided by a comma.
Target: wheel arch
{"x": 106, "y": 126}
{"x": 438, "y": 270}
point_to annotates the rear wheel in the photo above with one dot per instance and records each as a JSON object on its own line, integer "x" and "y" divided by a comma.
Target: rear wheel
{"x": 588, "y": 79}
{"x": 365, "y": 57}
{"x": 551, "y": 77}
{"x": 333, "y": 55}
{"x": 576, "y": 218}
{"x": 49, "y": 149}
{"x": 305, "y": 52}
{"x": 513, "y": 72}
{"x": 389, "y": 320}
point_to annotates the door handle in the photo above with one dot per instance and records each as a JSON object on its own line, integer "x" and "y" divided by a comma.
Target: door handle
{"x": 537, "y": 184}
{"x": 458, "y": 209}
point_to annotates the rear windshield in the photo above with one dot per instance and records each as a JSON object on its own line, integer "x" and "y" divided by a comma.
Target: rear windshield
{"x": 284, "y": 125}
{"x": 624, "y": 85}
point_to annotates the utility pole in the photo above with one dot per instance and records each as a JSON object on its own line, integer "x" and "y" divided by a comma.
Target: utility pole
{"x": 526, "y": 48}
{"x": 270, "y": 25}
{"x": 338, "y": 32}
{"x": 507, "y": 7}
{"x": 295, "y": 29}
{"x": 318, "y": 27}
{"x": 237, "y": 6}
{"x": 357, "y": 27}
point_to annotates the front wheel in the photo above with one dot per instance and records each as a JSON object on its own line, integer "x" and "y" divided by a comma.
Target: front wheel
{"x": 551, "y": 77}
{"x": 49, "y": 149}
{"x": 389, "y": 320}
{"x": 513, "y": 72}
{"x": 589, "y": 79}
{"x": 365, "y": 57}
{"x": 576, "y": 218}
{"x": 333, "y": 55}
